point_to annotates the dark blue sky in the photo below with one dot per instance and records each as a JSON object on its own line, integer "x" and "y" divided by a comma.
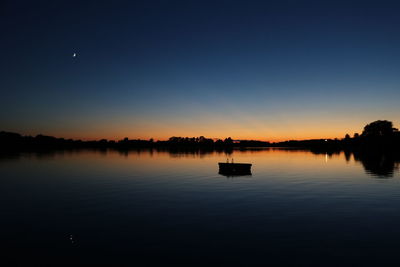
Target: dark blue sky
{"x": 248, "y": 69}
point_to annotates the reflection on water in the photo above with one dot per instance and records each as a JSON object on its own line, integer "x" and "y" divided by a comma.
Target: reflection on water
{"x": 157, "y": 208}
{"x": 378, "y": 164}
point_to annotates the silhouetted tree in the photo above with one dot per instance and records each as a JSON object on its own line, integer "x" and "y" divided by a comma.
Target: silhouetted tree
{"x": 228, "y": 141}
{"x": 379, "y": 128}
{"x": 219, "y": 142}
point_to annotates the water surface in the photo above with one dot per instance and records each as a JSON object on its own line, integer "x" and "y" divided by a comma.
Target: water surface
{"x": 142, "y": 208}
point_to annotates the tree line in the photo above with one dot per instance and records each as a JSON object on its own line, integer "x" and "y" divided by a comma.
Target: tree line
{"x": 377, "y": 134}
{"x": 15, "y": 141}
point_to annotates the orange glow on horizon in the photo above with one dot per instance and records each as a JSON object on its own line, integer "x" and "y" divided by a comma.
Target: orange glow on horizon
{"x": 159, "y": 137}
{"x": 215, "y": 128}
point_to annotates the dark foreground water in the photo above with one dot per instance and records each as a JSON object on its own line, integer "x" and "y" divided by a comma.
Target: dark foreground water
{"x": 159, "y": 208}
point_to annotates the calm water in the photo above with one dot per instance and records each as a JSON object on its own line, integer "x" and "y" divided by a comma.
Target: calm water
{"x": 160, "y": 208}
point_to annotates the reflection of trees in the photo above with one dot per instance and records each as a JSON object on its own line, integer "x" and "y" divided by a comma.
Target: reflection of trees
{"x": 378, "y": 163}
{"x": 381, "y": 164}
{"x": 347, "y": 155}
{"x": 330, "y": 153}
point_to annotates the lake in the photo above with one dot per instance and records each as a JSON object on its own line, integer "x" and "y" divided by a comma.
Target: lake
{"x": 158, "y": 208}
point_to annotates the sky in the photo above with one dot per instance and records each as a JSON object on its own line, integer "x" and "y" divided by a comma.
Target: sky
{"x": 265, "y": 70}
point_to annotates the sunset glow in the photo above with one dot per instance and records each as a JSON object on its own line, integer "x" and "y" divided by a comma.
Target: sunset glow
{"x": 266, "y": 71}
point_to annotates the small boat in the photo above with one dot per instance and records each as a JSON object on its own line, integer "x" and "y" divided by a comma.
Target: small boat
{"x": 234, "y": 169}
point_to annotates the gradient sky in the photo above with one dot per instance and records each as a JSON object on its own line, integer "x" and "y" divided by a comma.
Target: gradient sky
{"x": 268, "y": 70}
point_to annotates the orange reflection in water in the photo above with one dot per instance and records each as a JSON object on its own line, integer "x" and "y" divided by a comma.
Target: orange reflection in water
{"x": 269, "y": 162}
{"x": 265, "y": 161}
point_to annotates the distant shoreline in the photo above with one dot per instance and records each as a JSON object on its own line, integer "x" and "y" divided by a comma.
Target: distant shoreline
{"x": 376, "y": 135}
{"x": 17, "y": 142}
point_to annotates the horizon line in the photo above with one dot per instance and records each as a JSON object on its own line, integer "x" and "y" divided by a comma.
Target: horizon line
{"x": 163, "y": 140}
